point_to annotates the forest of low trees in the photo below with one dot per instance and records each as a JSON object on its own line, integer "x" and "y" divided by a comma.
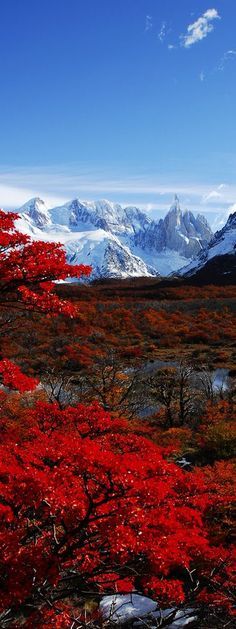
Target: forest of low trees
{"x": 117, "y": 441}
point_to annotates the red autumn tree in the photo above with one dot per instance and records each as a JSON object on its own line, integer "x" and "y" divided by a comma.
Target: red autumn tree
{"x": 86, "y": 505}
{"x": 28, "y": 271}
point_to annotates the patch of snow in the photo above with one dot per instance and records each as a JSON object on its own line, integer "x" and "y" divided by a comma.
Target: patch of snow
{"x": 123, "y": 608}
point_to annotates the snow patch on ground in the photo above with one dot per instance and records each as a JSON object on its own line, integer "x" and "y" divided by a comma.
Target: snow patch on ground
{"x": 122, "y": 608}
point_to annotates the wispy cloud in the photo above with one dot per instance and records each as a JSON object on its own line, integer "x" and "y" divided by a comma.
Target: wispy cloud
{"x": 215, "y": 194}
{"x": 229, "y": 55}
{"x": 56, "y": 185}
{"x": 13, "y": 196}
{"x": 199, "y": 29}
{"x": 68, "y": 182}
{"x": 148, "y": 23}
{"x": 162, "y": 33}
{"x": 202, "y": 76}
{"x": 217, "y": 199}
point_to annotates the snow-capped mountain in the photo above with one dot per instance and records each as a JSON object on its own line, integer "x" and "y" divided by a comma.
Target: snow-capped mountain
{"x": 88, "y": 232}
{"x": 116, "y": 241}
{"x": 222, "y": 244}
{"x": 178, "y": 231}
{"x": 100, "y": 214}
{"x": 37, "y": 213}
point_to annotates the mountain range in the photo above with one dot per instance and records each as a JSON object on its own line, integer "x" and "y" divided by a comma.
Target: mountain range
{"x": 120, "y": 242}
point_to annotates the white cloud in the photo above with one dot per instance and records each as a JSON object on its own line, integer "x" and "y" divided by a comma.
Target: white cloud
{"x": 148, "y": 23}
{"x": 58, "y": 184}
{"x": 227, "y": 56}
{"x": 62, "y": 184}
{"x": 202, "y": 76}
{"x": 17, "y": 185}
{"x": 211, "y": 14}
{"x": 216, "y": 194}
{"x": 200, "y": 29}
{"x": 162, "y": 32}
{"x": 232, "y": 208}
{"x": 171, "y": 46}
{"x": 222, "y": 217}
{"x": 212, "y": 196}
{"x": 13, "y": 196}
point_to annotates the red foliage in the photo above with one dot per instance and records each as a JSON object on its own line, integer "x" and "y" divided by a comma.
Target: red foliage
{"x": 28, "y": 270}
{"x": 13, "y": 378}
{"x": 82, "y": 495}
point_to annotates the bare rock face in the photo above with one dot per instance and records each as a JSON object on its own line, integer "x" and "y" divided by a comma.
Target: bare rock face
{"x": 178, "y": 231}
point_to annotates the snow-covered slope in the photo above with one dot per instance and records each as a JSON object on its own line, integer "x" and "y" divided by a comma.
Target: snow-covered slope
{"x": 116, "y": 241}
{"x": 106, "y": 255}
{"x": 223, "y": 243}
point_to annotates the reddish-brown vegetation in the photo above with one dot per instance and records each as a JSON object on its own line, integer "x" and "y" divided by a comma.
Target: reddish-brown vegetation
{"x": 91, "y": 497}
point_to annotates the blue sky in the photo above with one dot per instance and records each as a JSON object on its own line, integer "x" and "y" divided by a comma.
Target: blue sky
{"x": 130, "y": 100}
